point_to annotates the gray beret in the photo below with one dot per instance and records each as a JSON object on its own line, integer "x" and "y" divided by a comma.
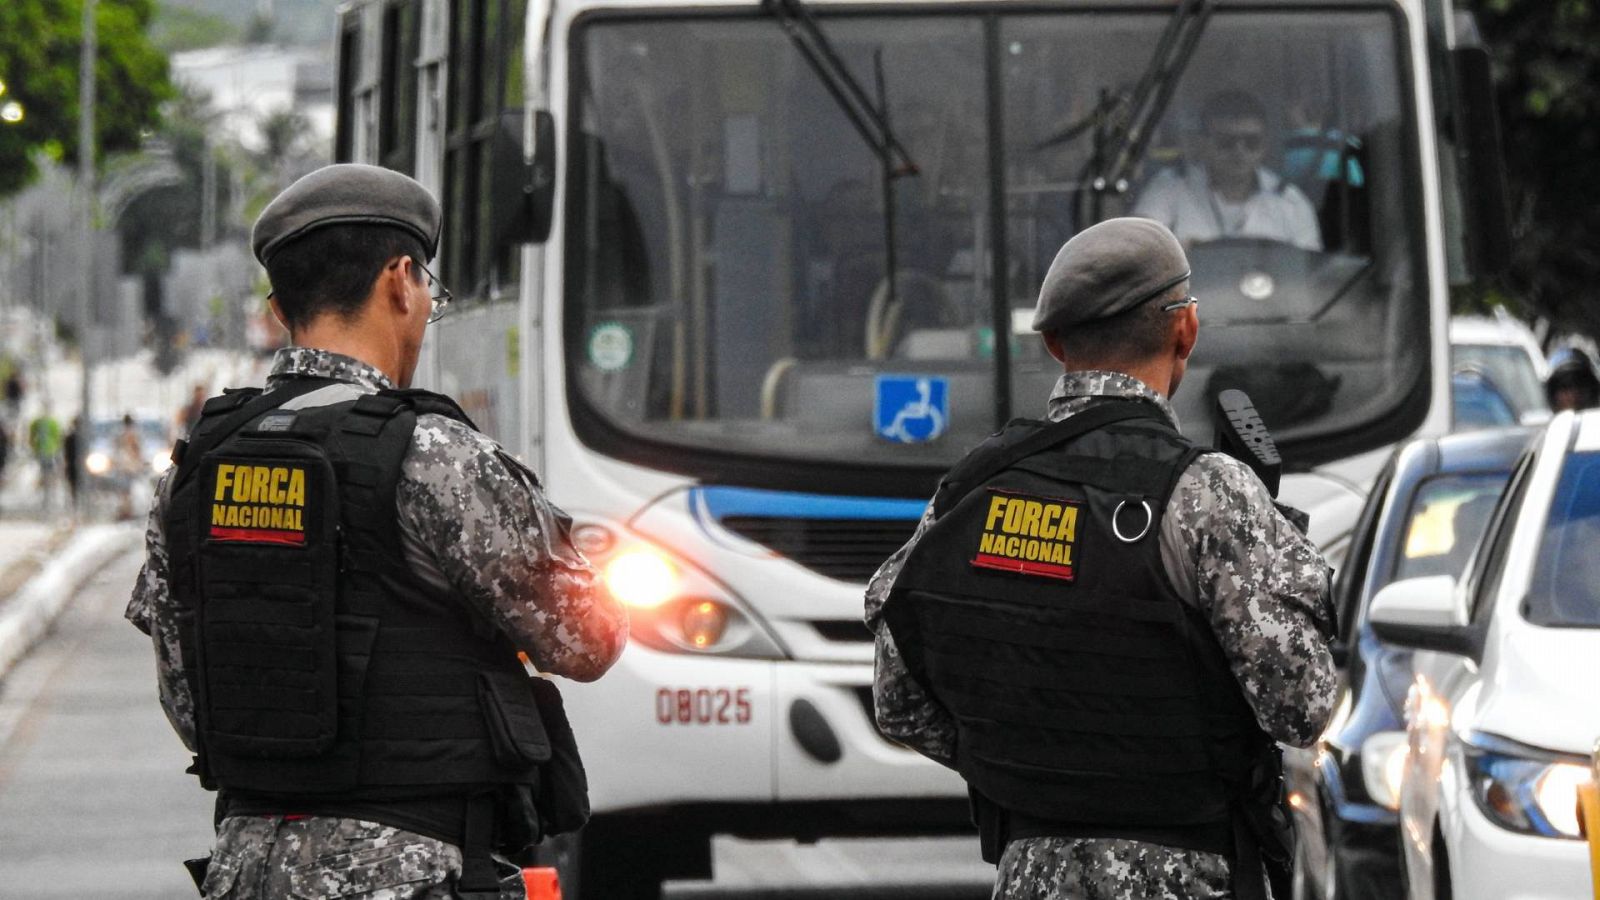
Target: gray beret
{"x": 1107, "y": 269}
{"x": 347, "y": 194}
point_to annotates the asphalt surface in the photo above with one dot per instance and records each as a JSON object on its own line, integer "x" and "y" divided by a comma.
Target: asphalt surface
{"x": 94, "y": 801}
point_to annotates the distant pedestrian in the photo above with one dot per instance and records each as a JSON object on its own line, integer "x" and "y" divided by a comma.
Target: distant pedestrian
{"x": 127, "y": 462}
{"x": 44, "y": 439}
{"x": 190, "y": 414}
{"x": 71, "y": 458}
{"x": 13, "y": 391}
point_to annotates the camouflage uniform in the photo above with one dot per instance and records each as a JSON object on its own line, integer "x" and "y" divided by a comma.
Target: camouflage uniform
{"x": 475, "y": 523}
{"x": 1264, "y": 588}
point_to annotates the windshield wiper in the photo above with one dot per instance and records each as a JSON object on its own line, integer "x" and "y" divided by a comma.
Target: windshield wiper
{"x": 1120, "y": 141}
{"x": 870, "y": 119}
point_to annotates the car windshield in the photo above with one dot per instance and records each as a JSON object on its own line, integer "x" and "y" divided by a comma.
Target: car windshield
{"x": 1510, "y": 368}
{"x": 1565, "y": 590}
{"x": 730, "y": 231}
{"x": 150, "y": 431}
{"x": 1447, "y": 517}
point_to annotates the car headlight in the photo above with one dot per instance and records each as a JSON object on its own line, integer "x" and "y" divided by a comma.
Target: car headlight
{"x": 97, "y": 463}
{"x": 1383, "y": 764}
{"x": 1524, "y": 789}
{"x": 675, "y": 608}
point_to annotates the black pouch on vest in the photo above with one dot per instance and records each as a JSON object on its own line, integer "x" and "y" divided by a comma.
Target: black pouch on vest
{"x": 515, "y": 729}
{"x": 268, "y": 577}
{"x": 563, "y": 798}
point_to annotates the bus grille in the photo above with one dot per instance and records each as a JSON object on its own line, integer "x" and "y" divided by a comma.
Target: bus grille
{"x": 846, "y": 549}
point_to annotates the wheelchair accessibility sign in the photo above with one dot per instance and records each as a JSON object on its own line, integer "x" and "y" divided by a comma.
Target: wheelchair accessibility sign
{"x": 911, "y": 409}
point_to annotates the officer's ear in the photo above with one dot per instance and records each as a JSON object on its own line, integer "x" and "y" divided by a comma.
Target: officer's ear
{"x": 1187, "y": 330}
{"x": 277, "y": 313}
{"x": 395, "y": 285}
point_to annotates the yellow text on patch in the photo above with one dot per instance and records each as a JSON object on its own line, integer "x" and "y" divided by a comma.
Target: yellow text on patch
{"x": 1032, "y": 518}
{"x": 278, "y": 485}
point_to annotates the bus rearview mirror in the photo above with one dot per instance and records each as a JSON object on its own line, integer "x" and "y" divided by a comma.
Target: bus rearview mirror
{"x": 522, "y": 197}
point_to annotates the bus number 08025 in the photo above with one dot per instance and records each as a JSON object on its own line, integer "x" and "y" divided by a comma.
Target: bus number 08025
{"x": 703, "y": 706}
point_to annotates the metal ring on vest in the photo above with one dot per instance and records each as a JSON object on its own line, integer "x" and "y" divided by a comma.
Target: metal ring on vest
{"x": 1116, "y": 529}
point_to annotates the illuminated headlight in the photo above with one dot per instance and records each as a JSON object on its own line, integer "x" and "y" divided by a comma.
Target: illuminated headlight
{"x": 1523, "y": 789}
{"x": 97, "y": 463}
{"x": 675, "y": 608}
{"x": 642, "y": 579}
{"x": 160, "y": 461}
{"x": 1383, "y": 764}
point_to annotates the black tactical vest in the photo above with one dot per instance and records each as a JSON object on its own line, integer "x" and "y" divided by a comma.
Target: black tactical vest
{"x": 1090, "y": 699}
{"x": 327, "y": 676}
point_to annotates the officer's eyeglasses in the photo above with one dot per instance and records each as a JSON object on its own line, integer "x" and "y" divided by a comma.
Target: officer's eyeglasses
{"x": 1190, "y": 300}
{"x": 439, "y": 293}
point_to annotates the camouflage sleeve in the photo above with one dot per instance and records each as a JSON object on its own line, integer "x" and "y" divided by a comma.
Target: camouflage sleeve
{"x": 485, "y": 522}
{"x": 1265, "y": 589}
{"x": 903, "y": 710}
{"x": 153, "y": 612}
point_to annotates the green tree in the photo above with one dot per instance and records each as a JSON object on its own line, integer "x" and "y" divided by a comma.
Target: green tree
{"x": 39, "y": 48}
{"x": 1547, "y": 73}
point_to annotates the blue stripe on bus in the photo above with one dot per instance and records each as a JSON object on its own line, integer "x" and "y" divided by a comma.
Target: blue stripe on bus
{"x": 722, "y": 502}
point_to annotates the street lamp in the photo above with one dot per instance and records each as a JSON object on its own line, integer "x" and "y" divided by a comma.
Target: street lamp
{"x": 11, "y": 112}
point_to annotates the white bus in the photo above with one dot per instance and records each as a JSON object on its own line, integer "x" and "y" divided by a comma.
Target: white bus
{"x": 741, "y": 279}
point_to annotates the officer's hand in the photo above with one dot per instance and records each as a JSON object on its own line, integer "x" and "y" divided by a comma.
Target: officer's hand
{"x": 1300, "y": 520}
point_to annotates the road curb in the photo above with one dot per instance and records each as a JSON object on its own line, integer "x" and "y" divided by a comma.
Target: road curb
{"x": 32, "y": 610}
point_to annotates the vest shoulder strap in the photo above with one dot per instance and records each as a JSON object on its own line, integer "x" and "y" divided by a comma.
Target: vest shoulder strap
{"x": 224, "y": 415}
{"x": 989, "y": 461}
{"x": 428, "y": 402}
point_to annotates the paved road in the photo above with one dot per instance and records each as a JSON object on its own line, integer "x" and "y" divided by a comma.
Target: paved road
{"x": 94, "y": 802}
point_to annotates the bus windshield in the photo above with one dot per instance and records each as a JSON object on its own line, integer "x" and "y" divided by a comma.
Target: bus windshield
{"x": 730, "y": 231}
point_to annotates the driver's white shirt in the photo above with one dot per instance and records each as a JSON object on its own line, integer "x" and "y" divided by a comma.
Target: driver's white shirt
{"x": 1185, "y": 203}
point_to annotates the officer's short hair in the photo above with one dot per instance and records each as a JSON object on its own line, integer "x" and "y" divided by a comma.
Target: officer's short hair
{"x": 333, "y": 268}
{"x": 1131, "y": 336}
{"x": 1231, "y": 105}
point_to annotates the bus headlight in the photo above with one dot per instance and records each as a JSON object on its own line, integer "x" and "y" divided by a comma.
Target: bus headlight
{"x": 673, "y": 607}
{"x": 642, "y": 579}
{"x": 1523, "y": 789}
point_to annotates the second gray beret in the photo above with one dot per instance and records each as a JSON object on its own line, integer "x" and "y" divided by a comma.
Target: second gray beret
{"x": 344, "y": 194}
{"x": 1108, "y": 269}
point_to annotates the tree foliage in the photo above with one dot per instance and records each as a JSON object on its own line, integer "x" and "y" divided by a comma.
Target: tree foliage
{"x": 1547, "y": 73}
{"x": 39, "y": 49}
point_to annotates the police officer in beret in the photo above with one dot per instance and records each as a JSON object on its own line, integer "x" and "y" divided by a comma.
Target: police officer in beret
{"x": 1102, "y": 626}
{"x": 340, "y": 575}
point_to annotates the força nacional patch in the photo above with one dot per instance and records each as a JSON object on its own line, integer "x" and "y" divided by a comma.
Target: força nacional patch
{"x": 258, "y": 503}
{"x": 1029, "y": 535}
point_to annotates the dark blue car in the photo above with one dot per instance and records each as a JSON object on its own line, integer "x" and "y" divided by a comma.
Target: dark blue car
{"x": 1427, "y": 510}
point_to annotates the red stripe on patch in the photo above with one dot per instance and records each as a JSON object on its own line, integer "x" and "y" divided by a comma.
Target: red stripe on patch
{"x": 1006, "y": 564}
{"x": 258, "y": 536}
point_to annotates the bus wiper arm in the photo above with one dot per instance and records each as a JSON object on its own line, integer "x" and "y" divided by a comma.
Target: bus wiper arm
{"x": 870, "y": 121}
{"x": 1110, "y": 170}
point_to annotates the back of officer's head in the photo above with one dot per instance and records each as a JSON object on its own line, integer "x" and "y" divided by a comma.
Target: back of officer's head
{"x": 332, "y": 270}
{"x": 327, "y": 239}
{"x": 1101, "y": 304}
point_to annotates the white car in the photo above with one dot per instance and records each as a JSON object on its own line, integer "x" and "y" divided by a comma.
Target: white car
{"x": 1505, "y": 709}
{"x": 1506, "y": 352}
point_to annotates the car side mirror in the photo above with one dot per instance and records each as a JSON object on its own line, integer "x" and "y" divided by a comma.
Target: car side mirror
{"x": 521, "y": 204}
{"x": 1422, "y": 614}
